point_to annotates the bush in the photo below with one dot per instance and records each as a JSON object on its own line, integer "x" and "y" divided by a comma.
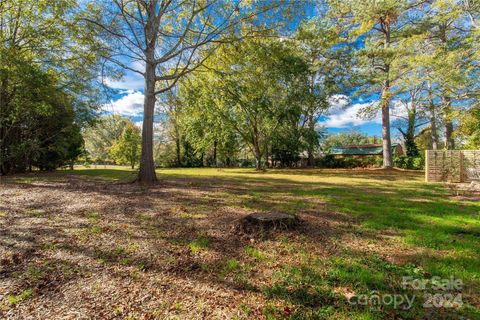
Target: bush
{"x": 246, "y": 163}
{"x": 406, "y": 162}
{"x": 330, "y": 161}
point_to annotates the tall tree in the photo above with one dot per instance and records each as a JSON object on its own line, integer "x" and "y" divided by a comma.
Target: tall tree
{"x": 449, "y": 53}
{"x": 205, "y": 131}
{"x": 319, "y": 42}
{"x": 409, "y": 119}
{"x": 379, "y": 24}
{"x": 164, "y": 37}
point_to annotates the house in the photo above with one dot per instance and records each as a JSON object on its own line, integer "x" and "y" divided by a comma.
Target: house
{"x": 364, "y": 150}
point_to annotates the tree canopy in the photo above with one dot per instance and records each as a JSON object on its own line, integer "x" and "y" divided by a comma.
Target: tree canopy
{"x": 232, "y": 81}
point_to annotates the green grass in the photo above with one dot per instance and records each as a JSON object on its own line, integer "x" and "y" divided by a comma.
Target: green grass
{"x": 443, "y": 234}
{"x": 198, "y": 244}
{"x": 14, "y": 299}
{"x": 121, "y": 174}
{"x": 420, "y": 216}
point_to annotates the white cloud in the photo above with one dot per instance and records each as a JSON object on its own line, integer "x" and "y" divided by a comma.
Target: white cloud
{"x": 348, "y": 116}
{"x": 338, "y": 102}
{"x": 131, "y": 81}
{"x": 343, "y": 115}
{"x": 129, "y": 105}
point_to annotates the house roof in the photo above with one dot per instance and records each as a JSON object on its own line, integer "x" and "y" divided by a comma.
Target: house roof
{"x": 365, "y": 149}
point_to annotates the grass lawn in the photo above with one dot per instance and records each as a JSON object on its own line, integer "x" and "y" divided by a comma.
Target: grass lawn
{"x": 88, "y": 244}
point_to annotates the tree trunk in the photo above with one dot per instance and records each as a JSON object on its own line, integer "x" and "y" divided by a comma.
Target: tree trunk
{"x": 3, "y": 129}
{"x": 177, "y": 147}
{"x": 146, "y": 174}
{"x": 310, "y": 156}
{"x": 215, "y": 153}
{"x": 72, "y": 162}
{"x": 411, "y": 146}
{"x": 258, "y": 163}
{"x": 447, "y": 118}
{"x": 311, "y": 159}
{"x": 387, "y": 142}
{"x": 267, "y": 164}
{"x": 433, "y": 122}
{"x": 449, "y": 142}
{"x": 258, "y": 157}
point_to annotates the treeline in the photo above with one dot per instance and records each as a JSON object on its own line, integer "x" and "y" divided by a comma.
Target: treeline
{"x": 47, "y": 62}
{"x": 259, "y": 99}
{"x": 38, "y": 126}
{"x": 414, "y": 64}
{"x": 227, "y": 88}
{"x": 112, "y": 140}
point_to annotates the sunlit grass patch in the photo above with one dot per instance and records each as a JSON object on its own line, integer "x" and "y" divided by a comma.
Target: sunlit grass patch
{"x": 199, "y": 244}
{"x": 14, "y": 299}
{"x": 255, "y": 253}
{"x": 111, "y": 174}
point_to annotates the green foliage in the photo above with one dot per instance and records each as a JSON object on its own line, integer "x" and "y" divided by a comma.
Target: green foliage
{"x": 331, "y": 161}
{"x": 102, "y": 135}
{"x": 46, "y": 92}
{"x": 408, "y": 162}
{"x": 231, "y": 265}
{"x": 113, "y": 139}
{"x": 469, "y": 127}
{"x": 126, "y": 150}
{"x": 246, "y": 90}
{"x": 262, "y": 97}
{"x": 38, "y": 127}
{"x": 402, "y": 161}
{"x": 346, "y": 138}
{"x": 411, "y": 147}
{"x": 197, "y": 136}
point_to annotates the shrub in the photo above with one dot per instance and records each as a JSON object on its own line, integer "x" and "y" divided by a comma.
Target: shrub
{"x": 330, "y": 161}
{"x": 406, "y": 162}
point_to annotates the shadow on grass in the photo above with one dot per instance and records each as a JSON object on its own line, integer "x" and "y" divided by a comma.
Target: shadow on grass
{"x": 361, "y": 204}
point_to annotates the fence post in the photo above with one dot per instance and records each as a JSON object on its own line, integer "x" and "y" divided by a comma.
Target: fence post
{"x": 426, "y": 166}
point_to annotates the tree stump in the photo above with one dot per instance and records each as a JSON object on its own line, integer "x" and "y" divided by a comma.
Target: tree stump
{"x": 266, "y": 221}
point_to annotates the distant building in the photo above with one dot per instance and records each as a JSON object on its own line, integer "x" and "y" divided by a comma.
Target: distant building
{"x": 364, "y": 150}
